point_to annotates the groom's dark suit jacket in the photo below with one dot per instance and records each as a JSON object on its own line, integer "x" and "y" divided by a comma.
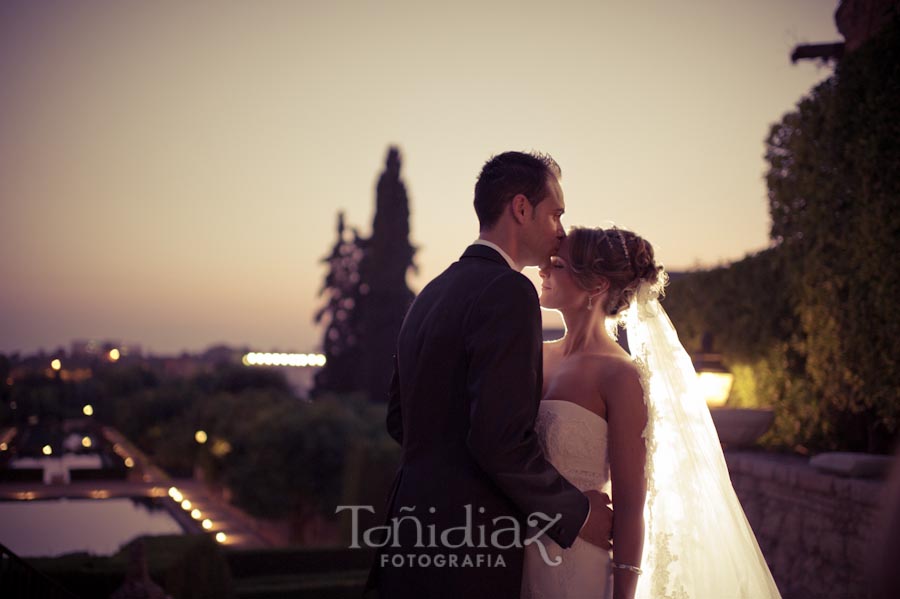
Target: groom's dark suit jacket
{"x": 463, "y": 402}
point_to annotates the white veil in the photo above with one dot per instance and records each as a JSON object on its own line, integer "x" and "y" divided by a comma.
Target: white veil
{"x": 697, "y": 541}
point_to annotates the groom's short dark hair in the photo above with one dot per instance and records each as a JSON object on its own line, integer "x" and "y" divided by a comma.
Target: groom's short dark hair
{"x": 508, "y": 174}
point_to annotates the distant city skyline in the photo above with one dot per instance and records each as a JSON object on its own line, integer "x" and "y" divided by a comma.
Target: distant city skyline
{"x": 170, "y": 173}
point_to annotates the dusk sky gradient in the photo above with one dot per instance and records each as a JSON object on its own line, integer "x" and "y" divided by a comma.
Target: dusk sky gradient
{"x": 170, "y": 172}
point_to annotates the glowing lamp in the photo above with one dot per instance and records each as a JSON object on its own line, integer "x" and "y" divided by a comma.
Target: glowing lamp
{"x": 713, "y": 379}
{"x": 715, "y": 387}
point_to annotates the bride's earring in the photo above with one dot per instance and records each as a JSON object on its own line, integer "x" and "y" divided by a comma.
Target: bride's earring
{"x": 590, "y": 302}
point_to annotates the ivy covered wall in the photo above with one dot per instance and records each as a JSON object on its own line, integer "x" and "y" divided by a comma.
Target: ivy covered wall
{"x": 811, "y": 327}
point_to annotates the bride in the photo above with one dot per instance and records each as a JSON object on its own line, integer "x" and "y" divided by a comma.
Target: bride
{"x": 634, "y": 424}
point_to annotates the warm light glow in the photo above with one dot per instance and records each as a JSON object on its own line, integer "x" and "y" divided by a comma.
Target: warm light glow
{"x": 114, "y": 355}
{"x": 100, "y": 494}
{"x": 280, "y": 359}
{"x": 220, "y": 448}
{"x": 88, "y": 410}
{"x": 195, "y": 514}
{"x": 55, "y": 364}
{"x": 221, "y": 537}
{"x": 175, "y": 494}
{"x": 3, "y": 447}
{"x": 47, "y": 450}
{"x": 715, "y": 387}
{"x": 86, "y": 442}
{"x": 129, "y": 463}
{"x": 200, "y": 437}
{"x": 207, "y": 524}
{"x": 186, "y": 505}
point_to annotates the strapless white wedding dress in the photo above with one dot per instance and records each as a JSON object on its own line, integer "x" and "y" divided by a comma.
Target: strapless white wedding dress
{"x": 574, "y": 440}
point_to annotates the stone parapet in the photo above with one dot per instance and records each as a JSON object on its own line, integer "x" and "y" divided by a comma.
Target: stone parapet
{"x": 815, "y": 529}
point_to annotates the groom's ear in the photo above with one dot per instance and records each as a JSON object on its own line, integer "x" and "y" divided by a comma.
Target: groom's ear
{"x": 520, "y": 207}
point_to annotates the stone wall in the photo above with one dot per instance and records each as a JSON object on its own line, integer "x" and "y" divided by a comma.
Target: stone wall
{"x": 814, "y": 529}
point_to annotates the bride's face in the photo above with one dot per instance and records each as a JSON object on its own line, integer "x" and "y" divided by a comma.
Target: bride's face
{"x": 559, "y": 291}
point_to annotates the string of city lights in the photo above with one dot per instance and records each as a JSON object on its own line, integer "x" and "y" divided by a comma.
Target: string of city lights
{"x": 278, "y": 359}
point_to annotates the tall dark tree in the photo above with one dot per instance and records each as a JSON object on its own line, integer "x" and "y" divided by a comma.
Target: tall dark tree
{"x": 343, "y": 287}
{"x": 367, "y": 294}
{"x": 386, "y": 296}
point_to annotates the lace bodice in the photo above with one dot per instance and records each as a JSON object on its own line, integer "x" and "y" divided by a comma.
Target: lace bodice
{"x": 574, "y": 440}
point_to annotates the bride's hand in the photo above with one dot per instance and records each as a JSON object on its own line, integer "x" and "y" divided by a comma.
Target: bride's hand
{"x": 598, "y": 528}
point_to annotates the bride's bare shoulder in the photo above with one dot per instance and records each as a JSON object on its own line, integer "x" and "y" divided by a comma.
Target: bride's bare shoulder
{"x": 616, "y": 376}
{"x": 609, "y": 364}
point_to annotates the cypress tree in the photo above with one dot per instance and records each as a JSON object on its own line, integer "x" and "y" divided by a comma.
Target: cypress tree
{"x": 367, "y": 293}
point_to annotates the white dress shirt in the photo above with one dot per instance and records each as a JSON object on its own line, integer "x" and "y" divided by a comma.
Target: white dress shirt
{"x": 496, "y": 247}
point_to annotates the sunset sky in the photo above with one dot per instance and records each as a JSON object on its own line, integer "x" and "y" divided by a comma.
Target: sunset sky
{"x": 170, "y": 172}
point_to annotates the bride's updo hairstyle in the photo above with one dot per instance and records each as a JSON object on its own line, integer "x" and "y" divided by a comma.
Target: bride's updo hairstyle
{"x": 617, "y": 255}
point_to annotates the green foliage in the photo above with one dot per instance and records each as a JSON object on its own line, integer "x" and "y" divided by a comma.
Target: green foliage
{"x": 279, "y": 455}
{"x": 811, "y": 326}
{"x": 282, "y": 457}
{"x": 292, "y": 460}
{"x": 332, "y": 573}
{"x": 120, "y": 380}
{"x": 746, "y": 306}
{"x": 235, "y": 379}
{"x": 835, "y": 197}
{"x": 186, "y": 566}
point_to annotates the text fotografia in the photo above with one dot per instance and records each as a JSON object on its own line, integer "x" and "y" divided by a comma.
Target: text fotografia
{"x": 506, "y": 533}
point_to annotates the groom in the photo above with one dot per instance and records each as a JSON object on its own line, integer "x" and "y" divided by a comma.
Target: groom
{"x": 463, "y": 403}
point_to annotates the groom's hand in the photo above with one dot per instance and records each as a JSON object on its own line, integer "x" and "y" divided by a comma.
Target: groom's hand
{"x": 598, "y": 528}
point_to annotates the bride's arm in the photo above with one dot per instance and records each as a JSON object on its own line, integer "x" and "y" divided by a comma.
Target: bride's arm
{"x": 627, "y": 417}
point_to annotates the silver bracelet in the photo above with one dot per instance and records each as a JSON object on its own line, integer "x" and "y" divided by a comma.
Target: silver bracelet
{"x": 628, "y": 567}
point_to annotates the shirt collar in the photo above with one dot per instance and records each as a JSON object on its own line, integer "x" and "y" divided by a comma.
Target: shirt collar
{"x": 500, "y": 251}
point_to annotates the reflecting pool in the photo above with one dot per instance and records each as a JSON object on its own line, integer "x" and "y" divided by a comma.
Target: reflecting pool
{"x": 51, "y": 527}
